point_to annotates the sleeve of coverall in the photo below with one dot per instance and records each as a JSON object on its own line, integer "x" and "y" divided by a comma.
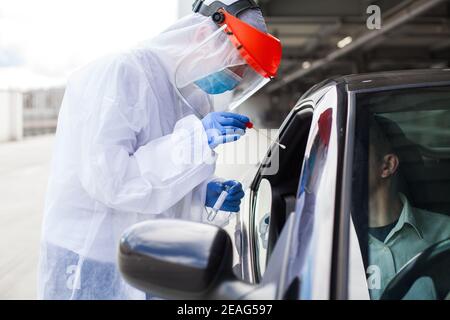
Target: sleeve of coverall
{"x": 147, "y": 179}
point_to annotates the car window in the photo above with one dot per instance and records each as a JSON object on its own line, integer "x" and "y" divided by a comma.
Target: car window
{"x": 401, "y": 187}
{"x": 274, "y": 190}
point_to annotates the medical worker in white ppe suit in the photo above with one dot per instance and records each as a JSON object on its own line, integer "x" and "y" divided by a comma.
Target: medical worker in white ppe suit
{"x": 136, "y": 137}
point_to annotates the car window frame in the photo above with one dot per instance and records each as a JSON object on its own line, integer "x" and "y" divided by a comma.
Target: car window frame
{"x": 248, "y": 261}
{"x": 323, "y": 289}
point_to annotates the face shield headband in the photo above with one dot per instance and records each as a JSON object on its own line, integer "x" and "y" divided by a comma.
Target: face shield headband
{"x": 235, "y": 8}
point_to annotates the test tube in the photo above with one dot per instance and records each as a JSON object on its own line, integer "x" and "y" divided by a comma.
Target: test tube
{"x": 219, "y": 203}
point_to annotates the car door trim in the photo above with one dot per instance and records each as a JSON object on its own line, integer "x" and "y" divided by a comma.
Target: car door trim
{"x": 339, "y": 285}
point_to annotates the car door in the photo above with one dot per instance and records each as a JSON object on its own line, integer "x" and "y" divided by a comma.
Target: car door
{"x": 298, "y": 255}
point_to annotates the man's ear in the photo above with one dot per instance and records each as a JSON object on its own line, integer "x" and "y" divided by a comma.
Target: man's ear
{"x": 390, "y": 165}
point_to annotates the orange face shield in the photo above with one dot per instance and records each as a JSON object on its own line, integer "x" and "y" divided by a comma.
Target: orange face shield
{"x": 230, "y": 64}
{"x": 260, "y": 50}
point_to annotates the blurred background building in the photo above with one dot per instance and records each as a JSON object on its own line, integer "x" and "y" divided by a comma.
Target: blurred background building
{"x": 29, "y": 112}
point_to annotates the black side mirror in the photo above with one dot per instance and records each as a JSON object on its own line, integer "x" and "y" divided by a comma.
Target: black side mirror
{"x": 177, "y": 259}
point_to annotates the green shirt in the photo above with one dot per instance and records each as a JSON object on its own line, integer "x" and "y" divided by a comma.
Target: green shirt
{"x": 415, "y": 231}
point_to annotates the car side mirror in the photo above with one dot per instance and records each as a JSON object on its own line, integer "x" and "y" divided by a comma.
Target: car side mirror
{"x": 177, "y": 259}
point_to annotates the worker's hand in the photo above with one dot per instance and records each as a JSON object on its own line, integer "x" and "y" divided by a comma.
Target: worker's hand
{"x": 232, "y": 201}
{"x": 224, "y": 127}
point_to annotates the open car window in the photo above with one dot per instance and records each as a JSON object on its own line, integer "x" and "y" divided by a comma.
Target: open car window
{"x": 274, "y": 192}
{"x": 401, "y": 187}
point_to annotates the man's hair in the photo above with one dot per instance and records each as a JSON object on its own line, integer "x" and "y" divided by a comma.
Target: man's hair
{"x": 378, "y": 139}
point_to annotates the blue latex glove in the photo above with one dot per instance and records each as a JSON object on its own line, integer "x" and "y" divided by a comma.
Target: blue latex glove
{"x": 233, "y": 200}
{"x": 224, "y": 127}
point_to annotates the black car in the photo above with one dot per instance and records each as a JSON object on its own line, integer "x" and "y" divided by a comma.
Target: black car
{"x": 359, "y": 207}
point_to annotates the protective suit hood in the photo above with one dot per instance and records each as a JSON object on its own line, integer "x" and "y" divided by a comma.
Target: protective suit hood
{"x": 175, "y": 49}
{"x": 187, "y": 33}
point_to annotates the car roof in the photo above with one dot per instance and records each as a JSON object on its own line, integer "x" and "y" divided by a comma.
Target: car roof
{"x": 386, "y": 80}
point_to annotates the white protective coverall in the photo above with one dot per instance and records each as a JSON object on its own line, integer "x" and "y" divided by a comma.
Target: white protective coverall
{"x": 113, "y": 163}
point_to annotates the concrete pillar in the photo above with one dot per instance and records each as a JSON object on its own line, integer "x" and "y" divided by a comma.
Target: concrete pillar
{"x": 11, "y": 116}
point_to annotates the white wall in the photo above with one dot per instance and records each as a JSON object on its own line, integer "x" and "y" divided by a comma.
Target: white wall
{"x": 11, "y": 116}
{"x": 184, "y": 7}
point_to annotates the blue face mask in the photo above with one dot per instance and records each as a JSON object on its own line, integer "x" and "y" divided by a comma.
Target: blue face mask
{"x": 219, "y": 82}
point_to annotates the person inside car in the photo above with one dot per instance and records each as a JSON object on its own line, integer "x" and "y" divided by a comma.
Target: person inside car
{"x": 397, "y": 230}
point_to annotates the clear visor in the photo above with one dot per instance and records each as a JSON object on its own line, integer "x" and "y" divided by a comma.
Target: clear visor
{"x": 214, "y": 76}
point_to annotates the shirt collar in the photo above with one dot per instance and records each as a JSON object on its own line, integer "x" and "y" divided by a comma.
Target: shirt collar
{"x": 406, "y": 217}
